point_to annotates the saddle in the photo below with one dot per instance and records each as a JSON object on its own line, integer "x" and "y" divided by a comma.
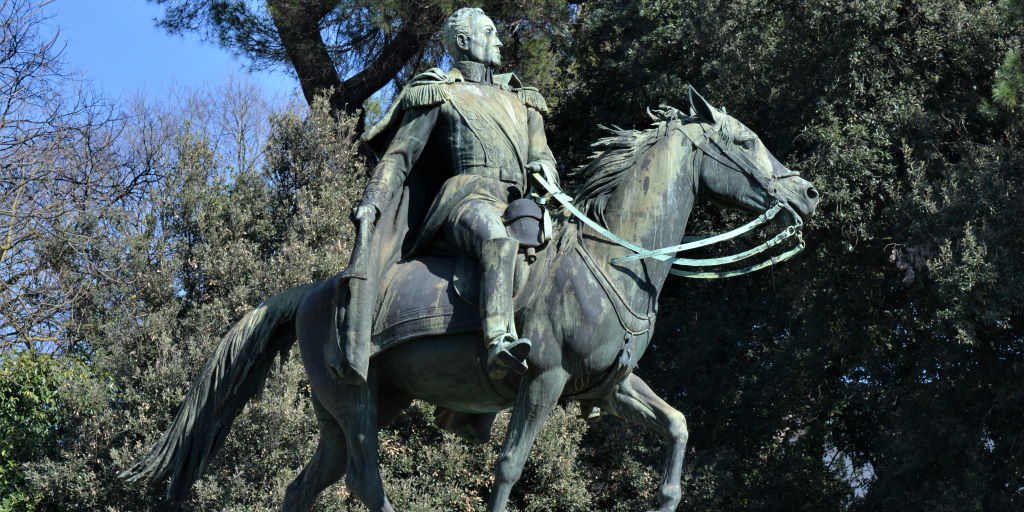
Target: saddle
{"x": 437, "y": 294}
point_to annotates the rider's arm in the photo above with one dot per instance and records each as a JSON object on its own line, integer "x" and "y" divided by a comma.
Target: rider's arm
{"x": 539, "y": 153}
{"x": 405, "y": 148}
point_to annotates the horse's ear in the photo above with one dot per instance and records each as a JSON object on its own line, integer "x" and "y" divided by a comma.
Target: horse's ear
{"x": 701, "y": 107}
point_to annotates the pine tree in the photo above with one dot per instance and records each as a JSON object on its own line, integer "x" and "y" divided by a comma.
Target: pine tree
{"x": 1008, "y": 90}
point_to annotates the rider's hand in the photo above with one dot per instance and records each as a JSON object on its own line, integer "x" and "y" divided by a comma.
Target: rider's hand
{"x": 536, "y": 167}
{"x": 364, "y": 211}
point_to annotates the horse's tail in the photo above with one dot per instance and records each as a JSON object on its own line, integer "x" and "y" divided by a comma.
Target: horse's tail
{"x": 234, "y": 374}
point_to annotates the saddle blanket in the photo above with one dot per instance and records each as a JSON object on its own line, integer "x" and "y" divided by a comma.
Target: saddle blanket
{"x": 420, "y": 300}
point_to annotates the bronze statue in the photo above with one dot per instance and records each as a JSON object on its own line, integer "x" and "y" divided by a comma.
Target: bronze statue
{"x": 586, "y": 295}
{"x": 478, "y": 135}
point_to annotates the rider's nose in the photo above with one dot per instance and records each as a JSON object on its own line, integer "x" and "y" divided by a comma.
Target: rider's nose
{"x": 497, "y": 42}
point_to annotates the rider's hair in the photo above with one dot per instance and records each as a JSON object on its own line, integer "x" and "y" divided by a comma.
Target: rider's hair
{"x": 458, "y": 23}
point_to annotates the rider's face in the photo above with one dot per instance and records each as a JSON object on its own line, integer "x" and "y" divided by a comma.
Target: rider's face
{"x": 482, "y": 44}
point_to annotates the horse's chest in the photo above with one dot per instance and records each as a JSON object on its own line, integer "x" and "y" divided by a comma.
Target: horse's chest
{"x": 583, "y": 317}
{"x": 594, "y": 334}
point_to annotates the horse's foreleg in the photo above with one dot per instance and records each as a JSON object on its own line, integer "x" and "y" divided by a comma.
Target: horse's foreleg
{"x": 634, "y": 401}
{"x": 535, "y": 399}
{"x": 326, "y": 467}
{"x": 356, "y": 408}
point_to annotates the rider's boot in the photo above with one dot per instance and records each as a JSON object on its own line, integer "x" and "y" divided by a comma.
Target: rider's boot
{"x": 505, "y": 350}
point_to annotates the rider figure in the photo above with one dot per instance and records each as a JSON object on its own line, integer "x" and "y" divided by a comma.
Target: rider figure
{"x": 489, "y": 134}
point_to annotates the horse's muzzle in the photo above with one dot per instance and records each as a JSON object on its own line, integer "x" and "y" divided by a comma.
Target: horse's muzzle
{"x": 800, "y": 194}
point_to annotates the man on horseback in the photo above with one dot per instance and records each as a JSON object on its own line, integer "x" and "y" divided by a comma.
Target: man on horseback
{"x": 456, "y": 147}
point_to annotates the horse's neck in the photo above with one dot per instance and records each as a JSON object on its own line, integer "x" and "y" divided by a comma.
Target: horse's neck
{"x": 650, "y": 209}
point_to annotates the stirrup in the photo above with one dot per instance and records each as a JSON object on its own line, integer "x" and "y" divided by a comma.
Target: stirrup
{"x": 510, "y": 356}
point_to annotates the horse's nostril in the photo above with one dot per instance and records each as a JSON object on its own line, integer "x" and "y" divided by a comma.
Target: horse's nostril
{"x": 812, "y": 193}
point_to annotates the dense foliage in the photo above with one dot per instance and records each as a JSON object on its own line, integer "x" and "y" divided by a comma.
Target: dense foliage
{"x": 877, "y": 372}
{"x": 880, "y": 370}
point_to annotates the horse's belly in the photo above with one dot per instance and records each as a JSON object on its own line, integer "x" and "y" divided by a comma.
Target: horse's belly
{"x": 443, "y": 370}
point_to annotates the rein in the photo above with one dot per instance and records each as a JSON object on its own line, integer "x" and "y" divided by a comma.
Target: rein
{"x": 664, "y": 254}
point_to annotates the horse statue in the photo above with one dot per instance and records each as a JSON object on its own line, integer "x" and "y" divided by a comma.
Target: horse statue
{"x": 589, "y": 306}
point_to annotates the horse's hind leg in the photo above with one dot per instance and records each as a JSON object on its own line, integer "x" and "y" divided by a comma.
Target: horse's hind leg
{"x": 634, "y": 401}
{"x": 325, "y": 468}
{"x": 330, "y": 460}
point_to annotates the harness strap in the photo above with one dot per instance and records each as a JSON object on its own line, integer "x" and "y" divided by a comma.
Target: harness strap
{"x": 702, "y": 242}
{"x": 662, "y": 254}
{"x": 739, "y": 272}
{"x": 566, "y": 201}
{"x": 634, "y": 323}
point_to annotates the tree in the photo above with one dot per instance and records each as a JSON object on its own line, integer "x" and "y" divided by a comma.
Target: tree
{"x": 1008, "y": 90}
{"x": 210, "y": 239}
{"x": 350, "y": 49}
{"x": 56, "y": 164}
{"x": 36, "y": 417}
{"x": 875, "y": 372}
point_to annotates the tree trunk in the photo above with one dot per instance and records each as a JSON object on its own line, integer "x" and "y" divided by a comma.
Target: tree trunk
{"x": 298, "y": 23}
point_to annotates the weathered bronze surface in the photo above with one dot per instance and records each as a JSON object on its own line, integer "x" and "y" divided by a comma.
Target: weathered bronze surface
{"x": 456, "y": 149}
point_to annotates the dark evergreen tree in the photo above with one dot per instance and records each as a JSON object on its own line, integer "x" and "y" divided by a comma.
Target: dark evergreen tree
{"x": 876, "y": 371}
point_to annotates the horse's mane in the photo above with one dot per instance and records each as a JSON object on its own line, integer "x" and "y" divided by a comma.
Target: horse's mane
{"x": 613, "y": 156}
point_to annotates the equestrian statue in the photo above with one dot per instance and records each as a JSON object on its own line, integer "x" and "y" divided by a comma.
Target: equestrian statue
{"x": 478, "y": 285}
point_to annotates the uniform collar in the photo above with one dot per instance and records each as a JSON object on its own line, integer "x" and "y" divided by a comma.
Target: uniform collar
{"x": 474, "y": 71}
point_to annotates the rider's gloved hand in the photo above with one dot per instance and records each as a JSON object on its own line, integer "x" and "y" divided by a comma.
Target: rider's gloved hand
{"x": 544, "y": 169}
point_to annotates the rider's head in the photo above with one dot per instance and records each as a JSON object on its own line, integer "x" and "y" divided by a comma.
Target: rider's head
{"x": 470, "y": 35}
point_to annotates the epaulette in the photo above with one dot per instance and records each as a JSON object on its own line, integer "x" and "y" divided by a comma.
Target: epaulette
{"x": 427, "y": 89}
{"x": 530, "y": 96}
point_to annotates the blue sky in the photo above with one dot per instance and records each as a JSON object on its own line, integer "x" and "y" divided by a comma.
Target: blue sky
{"x": 117, "y": 45}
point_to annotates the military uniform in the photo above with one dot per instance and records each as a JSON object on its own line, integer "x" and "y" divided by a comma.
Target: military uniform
{"x": 483, "y": 130}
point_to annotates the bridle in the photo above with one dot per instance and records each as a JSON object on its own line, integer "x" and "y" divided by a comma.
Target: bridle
{"x": 709, "y": 146}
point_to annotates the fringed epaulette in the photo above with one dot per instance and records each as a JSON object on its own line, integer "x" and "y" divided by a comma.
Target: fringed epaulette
{"x": 424, "y": 95}
{"x": 532, "y": 98}
{"x": 427, "y": 89}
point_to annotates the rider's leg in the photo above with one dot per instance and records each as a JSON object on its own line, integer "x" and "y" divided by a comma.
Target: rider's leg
{"x": 506, "y": 348}
{"x": 477, "y": 229}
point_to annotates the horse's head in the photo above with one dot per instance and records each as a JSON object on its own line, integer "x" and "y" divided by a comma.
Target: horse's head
{"x": 736, "y": 169}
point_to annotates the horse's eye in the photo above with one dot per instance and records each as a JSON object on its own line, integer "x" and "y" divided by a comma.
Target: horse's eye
{"x": 746, "y": 144}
